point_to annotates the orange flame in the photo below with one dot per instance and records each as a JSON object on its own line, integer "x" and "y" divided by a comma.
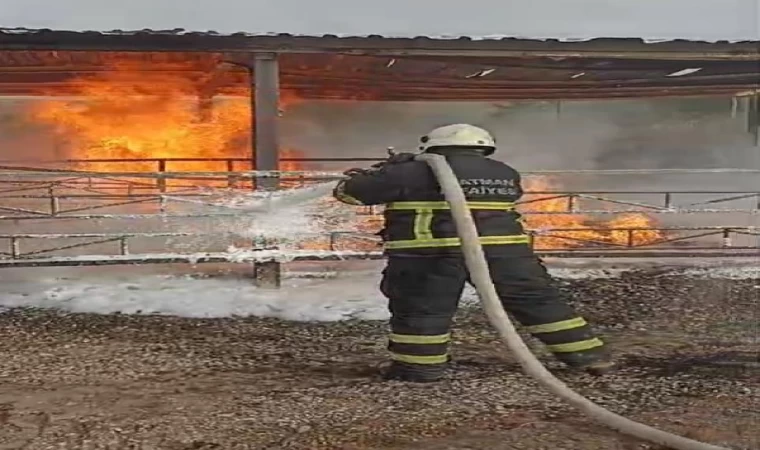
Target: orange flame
{"x": 131, "y": 113}
{"x": 591, "y": 232}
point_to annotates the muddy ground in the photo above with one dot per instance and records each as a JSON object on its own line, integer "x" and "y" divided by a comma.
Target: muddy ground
{"x": 688, "y": 348}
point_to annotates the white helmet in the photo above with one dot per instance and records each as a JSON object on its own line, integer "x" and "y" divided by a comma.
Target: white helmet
{"x": 459, "y": 135}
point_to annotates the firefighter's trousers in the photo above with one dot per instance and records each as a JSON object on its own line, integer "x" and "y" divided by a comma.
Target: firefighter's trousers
{"x": 424, "y": 293}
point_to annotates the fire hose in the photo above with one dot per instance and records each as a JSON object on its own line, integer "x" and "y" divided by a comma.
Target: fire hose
{"x": 479, "y": 273}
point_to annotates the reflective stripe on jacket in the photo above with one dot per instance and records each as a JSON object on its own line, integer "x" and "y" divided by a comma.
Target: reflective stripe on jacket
{"x": 425, "y": 213}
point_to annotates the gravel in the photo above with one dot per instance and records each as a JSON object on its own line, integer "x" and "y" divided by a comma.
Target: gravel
{"x": 687, "y": 344}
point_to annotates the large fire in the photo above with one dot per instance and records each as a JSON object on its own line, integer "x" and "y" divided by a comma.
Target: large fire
{"x": 131, "y": 113}
{"x": 128, "y": 114}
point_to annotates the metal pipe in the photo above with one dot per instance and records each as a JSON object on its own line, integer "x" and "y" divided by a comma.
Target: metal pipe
{"x": 338, "y": 175}
{"x": 287, "y": 256}
{"x": 36, "y": 215}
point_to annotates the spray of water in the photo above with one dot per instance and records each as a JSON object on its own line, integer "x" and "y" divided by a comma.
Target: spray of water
{"x": 284, "y": 218}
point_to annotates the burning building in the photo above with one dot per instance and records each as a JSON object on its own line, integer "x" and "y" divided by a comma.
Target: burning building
{"x": 166, "y": 101}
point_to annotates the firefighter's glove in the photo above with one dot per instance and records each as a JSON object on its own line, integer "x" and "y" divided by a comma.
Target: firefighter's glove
{"x": 396, "y": 158}
{"x": 355, "y": 171}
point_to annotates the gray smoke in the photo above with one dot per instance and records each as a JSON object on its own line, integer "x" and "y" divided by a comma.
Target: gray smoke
{"x": 22, "y": 140}
{"x": 619, "y": 134}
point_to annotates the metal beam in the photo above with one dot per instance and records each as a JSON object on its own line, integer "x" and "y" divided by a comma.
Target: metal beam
{"x": 753, "y": 118}
{"x": 197, "y": 42}
{"x": 265, "y": 139}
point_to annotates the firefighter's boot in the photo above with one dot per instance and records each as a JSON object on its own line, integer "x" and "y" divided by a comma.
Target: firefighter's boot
{"x": 597, "y": 362}
{"x": 415, "y": 373}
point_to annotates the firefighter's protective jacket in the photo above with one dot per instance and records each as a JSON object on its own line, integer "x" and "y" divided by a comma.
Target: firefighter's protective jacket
{"x": 418, "y": 221}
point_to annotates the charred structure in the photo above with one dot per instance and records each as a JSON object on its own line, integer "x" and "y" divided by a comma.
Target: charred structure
{"x": 240, "y": 85}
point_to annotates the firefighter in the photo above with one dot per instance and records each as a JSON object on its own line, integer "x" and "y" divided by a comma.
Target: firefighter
{"x": 425, "y": 274}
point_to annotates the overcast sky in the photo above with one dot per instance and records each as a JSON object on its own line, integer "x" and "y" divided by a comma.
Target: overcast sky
{"x": 653, "y": 19}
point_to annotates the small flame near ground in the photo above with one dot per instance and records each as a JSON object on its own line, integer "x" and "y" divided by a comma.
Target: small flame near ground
{"x": 591, "y": 231}
{"x": 131, "y": 113}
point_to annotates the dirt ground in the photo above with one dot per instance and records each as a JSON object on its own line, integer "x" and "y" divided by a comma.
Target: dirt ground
{"x": 688, "y": 349}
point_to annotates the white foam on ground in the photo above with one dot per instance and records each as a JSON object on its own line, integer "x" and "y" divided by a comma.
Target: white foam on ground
{"x": 298, "y": 299}
{"x": 731, "y": 273}
{"x": 578, "y": 274}
{"x": 350, "y": 295}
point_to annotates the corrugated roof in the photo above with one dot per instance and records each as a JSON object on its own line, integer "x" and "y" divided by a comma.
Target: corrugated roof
{"x": 696, "y": 20}
{"x": 338, "y": 76}
{"x": 182, "y": 40}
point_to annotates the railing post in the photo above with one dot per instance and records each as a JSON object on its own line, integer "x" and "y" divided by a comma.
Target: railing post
{"x": 161, "y": 204}
{"x": 123, "y": 246}
{"x": 231, "y": 179}
{"x": 161, "y": 182}
{"x": 726, "y": 237}
{"x": 15, "y": 248}
{"x": 571, "y": 203}
{"x": 54, "y": 202}
{"x": 630, "y": 238}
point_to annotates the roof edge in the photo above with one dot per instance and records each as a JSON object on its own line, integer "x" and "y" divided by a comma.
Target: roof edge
{"x": 441, "y": 37}
{"x": 493, "y": 45}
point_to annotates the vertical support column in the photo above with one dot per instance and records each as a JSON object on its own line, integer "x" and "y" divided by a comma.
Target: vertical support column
{"x": 753, "y": 118}
{"x": 265, "y": 142}
{"x": 266, "y": 87}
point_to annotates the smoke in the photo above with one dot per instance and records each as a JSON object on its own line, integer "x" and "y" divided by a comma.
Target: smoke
{"x": 611, "y": 134}
{"x": 648, "y": 134}
{"x": 21, "y": 140}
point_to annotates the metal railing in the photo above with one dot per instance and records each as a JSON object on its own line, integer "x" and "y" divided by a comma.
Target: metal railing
{"x": 128, "y": 188}
{"x": 51, "y": 203}
{"x": 77, "y": 195}
{"x": 679, "y": 245}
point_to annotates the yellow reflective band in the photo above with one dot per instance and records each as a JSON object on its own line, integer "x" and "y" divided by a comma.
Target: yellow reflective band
{"x": 455, "y": 242}
{"x": 422, "y": 222}
{"x": 572, "y": 347}
{"x": 417, "y": 205}
{"x": 417, "y": 339}
{"x": 444, "y": 205}
{"x": 557, "y": 326}
{"x": 411, "y": 359}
